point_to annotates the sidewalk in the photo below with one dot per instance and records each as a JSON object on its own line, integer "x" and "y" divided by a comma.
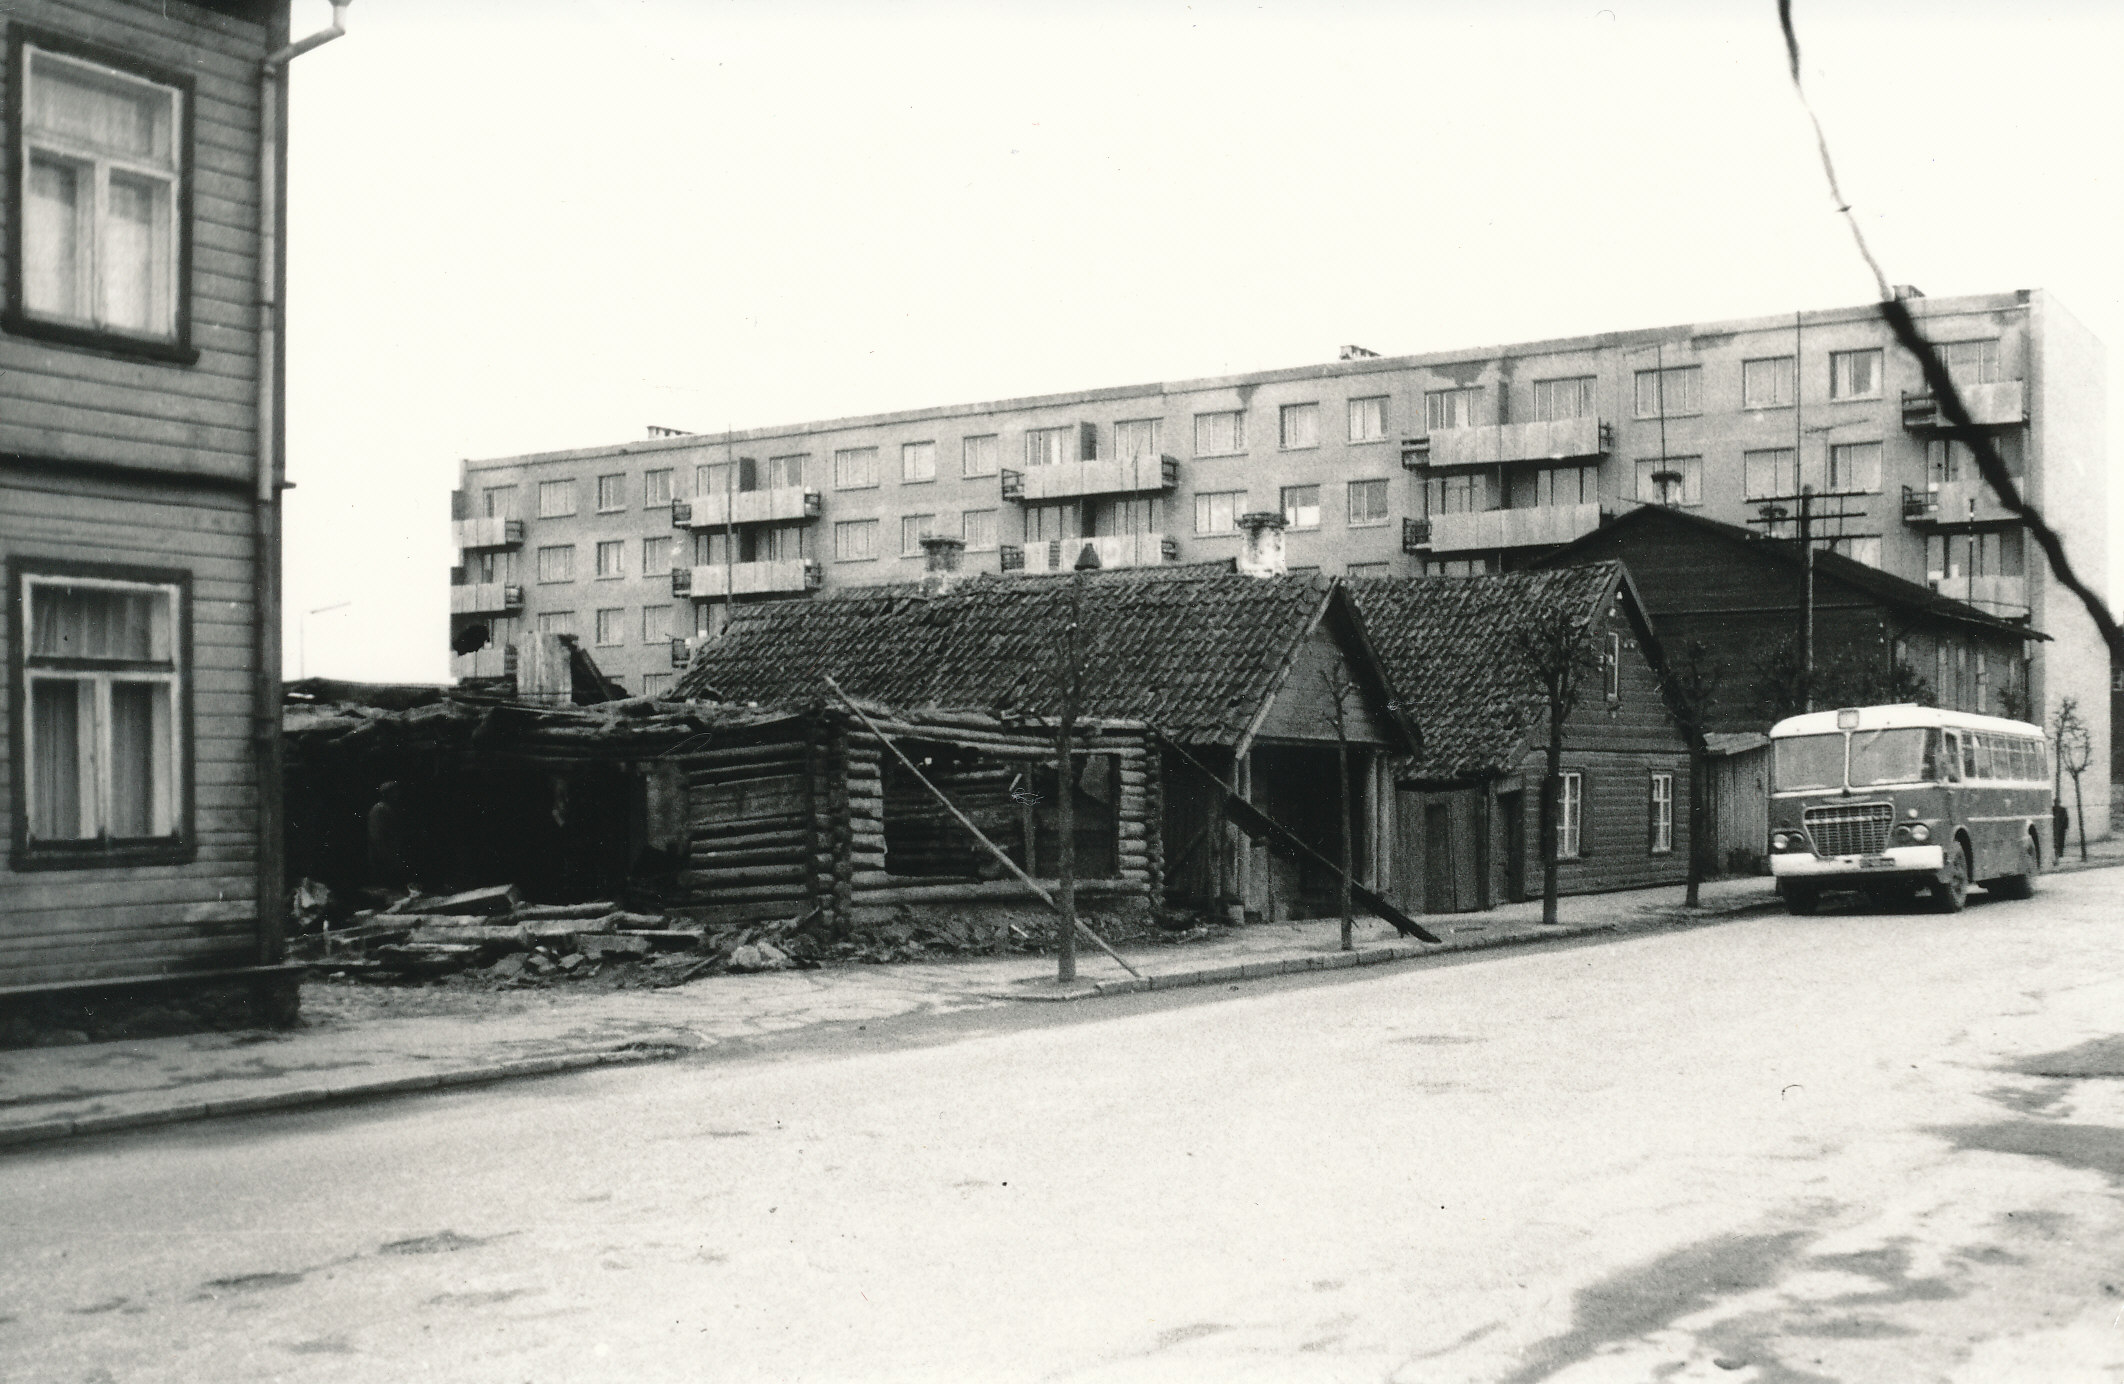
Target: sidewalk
{"x": 359, "y": 1042}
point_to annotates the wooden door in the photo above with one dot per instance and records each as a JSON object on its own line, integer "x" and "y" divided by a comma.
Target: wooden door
{"x": 1512, "y": 817}
{"x": 1438, "y": 895}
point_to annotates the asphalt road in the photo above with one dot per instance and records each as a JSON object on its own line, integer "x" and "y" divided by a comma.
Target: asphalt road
{"x": 1849, "y": 1147}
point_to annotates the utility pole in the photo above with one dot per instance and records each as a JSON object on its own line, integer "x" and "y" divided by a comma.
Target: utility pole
{"x": 1806, "y": 536}
{"x": 1070, "y": 656}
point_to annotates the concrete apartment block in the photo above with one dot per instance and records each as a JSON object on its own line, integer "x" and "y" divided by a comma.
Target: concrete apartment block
{"x": 1451, "y": 462}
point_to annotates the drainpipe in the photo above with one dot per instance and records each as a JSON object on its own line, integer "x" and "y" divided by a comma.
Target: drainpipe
{"x": 265, "y": 729}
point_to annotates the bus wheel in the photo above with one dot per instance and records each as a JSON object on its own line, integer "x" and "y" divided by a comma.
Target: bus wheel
{"x": 1801, "y": 898}
{"x": 1951, "y": 894}
{"x": 2022, "y": 885}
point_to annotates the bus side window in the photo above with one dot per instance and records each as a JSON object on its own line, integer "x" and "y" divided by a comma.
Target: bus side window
{"x": 1954, "y": 759}
{"x": 1933, "y": 772}
{"x": 1985, "y": 767}
{"x": 1969, "y": 766}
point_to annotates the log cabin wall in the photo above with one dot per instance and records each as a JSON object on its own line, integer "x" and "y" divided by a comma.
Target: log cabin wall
{"x": 755, "y": 845}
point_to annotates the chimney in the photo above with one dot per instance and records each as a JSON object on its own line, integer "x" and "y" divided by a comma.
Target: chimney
{"x": 1263, "y": 554}
{"x": 1905, "y": 292}
{"x": 941, "y": 553}
{"x": 1357, "y": 353}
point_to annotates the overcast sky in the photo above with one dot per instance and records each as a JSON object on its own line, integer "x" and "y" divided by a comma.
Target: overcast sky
{"x": 521, "y": 225}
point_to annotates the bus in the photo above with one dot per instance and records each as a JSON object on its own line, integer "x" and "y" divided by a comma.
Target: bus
{"x": 1888, "y": 800}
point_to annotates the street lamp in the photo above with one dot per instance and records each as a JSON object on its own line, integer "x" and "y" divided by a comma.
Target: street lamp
{"x": 302, "y": 636}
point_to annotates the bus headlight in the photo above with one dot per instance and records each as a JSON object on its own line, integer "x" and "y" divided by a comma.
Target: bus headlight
{"x": 1913, "y": 833}
{"x": 1787, "y": 841}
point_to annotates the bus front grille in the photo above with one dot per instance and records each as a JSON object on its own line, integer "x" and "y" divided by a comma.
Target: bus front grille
{"x": 1858, "y": 830}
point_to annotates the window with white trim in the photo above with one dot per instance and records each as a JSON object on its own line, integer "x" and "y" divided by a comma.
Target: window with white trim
{"x": 101, "y": 741}
{"x": 556, "y": 622}
{"x": 1855, "y": 374}
{"x": 1662, "y": 814}
{"x": 656, "y": 684}
{"x": 913, "y": 529}
{"x": 100, "y": 152}
{"x": 1371, "y": 569}
{"x": 1771, "y": 382}
{"x": 1671, "y": 480}
{"x": 1368, "y": 503}
{"x": 918, "y": 461}
{"x": 612, "y": 626}
{"x": 977, "y": 456}
{"x": 1970, "y": 362}
{"x": 557, "y": 563}
{"x": 556, "y": 499}
{"x": 1771, "y": 473}
{"x": 1048, "y": 446}
{"x": 978, "y": 528}
{"x": 656, "y": 624}
{"x": 1220, "y": 434}
{"x": 1368, "y": 419}
{"x": 656, "y": 487}
{"x": 1298, "y": 426}
{"x": 855, "y": 540}
{"x": 1673, "y": 391}
{"x": 1559, "y": 399}
{"x": 611, "y": 492}
{"x": 1570, "y": 814}
{"x": 787, "y": 472}
{"x": 855, "y": 468}
{"x": 1450, "y": 408}
{"x": 1301, "y": 506}
{"x": 1218, "y": 511}
{"x": 656, "y": 556}
{"x": 1138, "y": 437}
{"x": 1854, "y": 468}
{"x": 612, "y": 558}
{"x": 1611, "y": 668}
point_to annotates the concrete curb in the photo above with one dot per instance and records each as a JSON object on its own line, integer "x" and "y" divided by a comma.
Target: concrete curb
{"x": 45, "y": 1131}
{"x": 1298, "y": 965}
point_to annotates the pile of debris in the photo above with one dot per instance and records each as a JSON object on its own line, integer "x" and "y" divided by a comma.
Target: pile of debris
{"x": 492, "y": 932}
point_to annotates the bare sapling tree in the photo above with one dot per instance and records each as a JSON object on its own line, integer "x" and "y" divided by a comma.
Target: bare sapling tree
{"x": 2075, "y": 748}
{"x": 1555, "y": 651}
{"x": 1069, "y": 685}
{"x": 1689, "y": 680}
{"x": 1339, "y": 691}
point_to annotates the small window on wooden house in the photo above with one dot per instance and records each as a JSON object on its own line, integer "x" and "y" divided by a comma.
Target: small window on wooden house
{"x": 1011, "y": 800}
{"x": 1611, "y": 668}
{"x": 1570, "y": 815}
{"x": 1662, "y": 814}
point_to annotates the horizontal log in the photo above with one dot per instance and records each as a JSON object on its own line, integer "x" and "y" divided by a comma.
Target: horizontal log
{"x": 758, "y": 855}
{"x": 791, "y": 822}
{"x": 795, "y": 840}
{"x": 727, "y": 754}
{"x": 711, "y": 891}
{"x": 750, "y": 874}
{"x": 987, "y": 890}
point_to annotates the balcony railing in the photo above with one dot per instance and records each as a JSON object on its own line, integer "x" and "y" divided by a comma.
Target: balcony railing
{"x": 2005, "y": 597}
{"x": 1121, "y": 550}
{"x": 1147, "y": 475}
{"x": 707, "y": 582}
{"x": 486, "y": 598}
{"x": 1955, "y": 504}
{"x": 1540, "y": 527}
{"x": 480, "y": 535}
{"x": 1492, "y": 444}
{"x": 780, "y": 505}
{"x": 2000, "y": 404}
{"x": 494, "y": 661}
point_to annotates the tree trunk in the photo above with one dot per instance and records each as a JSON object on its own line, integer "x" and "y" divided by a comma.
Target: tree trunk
{"x": 1342, "y": 775}
{"x": 1066, "y": 848}
{"x": 1696, "y": 827}
{"x": 2079, "y": 810}
{"x": 1551, "y": 811}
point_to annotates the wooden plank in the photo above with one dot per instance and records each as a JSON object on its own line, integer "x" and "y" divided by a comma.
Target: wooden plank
{"x": 215, "y": 47}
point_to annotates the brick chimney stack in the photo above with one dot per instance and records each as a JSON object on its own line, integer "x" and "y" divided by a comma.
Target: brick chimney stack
{"x": 1263, "y": 554}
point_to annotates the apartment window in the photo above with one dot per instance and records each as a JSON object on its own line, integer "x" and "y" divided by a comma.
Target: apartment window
{"x": 1301, "y": 506}
{"x": 656, "y": 557}
{"x": 1220, "y": 434}
{"x": 1671, "y": 392}
{"x": 1368, "y": 419}
{"x": 656, "y": 684}
{"x": 556, "y": 622}
{"x": 715, "y": 478}
{"x": 782, "y": 543}
{"x": 977, "y": 456}
{"x": 611, "y": 492}
{"x": 913, "y": 529}
{"x": 918, "y": 461}
{"x": 612, "y": 558}
{"x": 1855, "y": 467}
{"x": 855, "y": 468}
{"x": 1298, "y": 426}
{"x": 1864, "y": 548}
{"x": 498, "y": 502}
{"x": 1570, "y": 814}
{"x": 557, "y": 563}
{"x": 656, "y": 624}
{"x": 1450, "y": 408}
{"x": 556, "y": 499}
{"x": 1671, "y": 480}
{"x": 1557, "y": 486}
{"x": 1218, "y": 511}
{"x": 1611, "y": 668}
{"x": 1048, "y": 446}
{"x": 786, "y": 473}
{"x": 1057, "y": 519}
{"x": 100, "y": 196}
{"x": 1465, "y": 493}
{"x": 1370, "y": 569}
{"x": 855, "y": 540}
{"x": 1457, "y": 567}
{"x": 101, "y": 744}
{"x": 656, "y": 488}
{"x": 978, "y": 528}
{"x": 1555, "y": 399}
{"x": 1138, "y": 437}
{"x": 1855, "y": 374}
{"x": 612, "y": 626}
{"x": 1772, "y": 382}
{"x": 1368, "y": 502}
{"x": 1970, "y": 362}
{"x": 1662, "y": 814}
{"x": 1771, "y": 474}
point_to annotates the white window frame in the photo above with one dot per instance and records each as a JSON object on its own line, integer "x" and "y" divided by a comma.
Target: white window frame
{"x": 1368, "y": 418}
{"x": 845, "y": 533}
{"x": 556, "y": 622}
{"x": 655, "y": 631}
{"x": 1139, "y": 437}
{"x": 979, "y": 542}
{"x": 786, "y": 472}
{"x": 980, "y": 455}
{"x": 1691, "y": 488}
{"x": 1570, "y": 814}
{"x": 1843, "y": 375}
{"x": 913, "y": 529}
{"x": 1231, "y": 421}
{"x": 655, "y": 496}
{"x": 1371, "y": 486}
{"x": 1970, "y": 362}
{"x": 855, "y": 468}
{"x": 1662, "y": 810}
{"x": 93, "y": 679}
{"x": 616, "y": 550}
{"x": 1665, "y": 383}
{"x": 656, "y": 556}
{"x": 1784, "y": 382}
{"x": 1447, "y": 409}
{"x": 1206, "y": 507}
{"x": 1569, "y": 396}
{"x": 1049, "y": 446}
{"x": 1782, "y": 465}
{"x": 610, "y": 620}
{"x": 94, "y": 168}
{"x": 1298, "y": 427}
{"x": 1294, "y": 513}
{"x": 611, "y": 492}
{"x": 1853, "y": 456}
{"x": 918, "y": 462}
{"x": 563, "y": 556}
{"x": 552, "y": 495}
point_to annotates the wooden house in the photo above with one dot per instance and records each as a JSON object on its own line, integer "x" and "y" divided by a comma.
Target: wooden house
{"x": 1466, "y": 808}
{"x": 140, "y": 479}
{"x": 1236, "y": 675}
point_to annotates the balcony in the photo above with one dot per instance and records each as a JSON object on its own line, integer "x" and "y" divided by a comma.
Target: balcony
{"x": 486, "y": 598}
{"x": 1493, "y": 444}
{"x": 481, "y": 535}
{"x": 1120, "y": 550}
{"x": 1072, "y": 480}
{"x": 2005, "y": 597}
{"x": 707, "y": 582}
{"x": 1415, "y": 535}
{"x": 778, "y": 506}
{"x": 494, "y": 661}
{"x": 1955, "y": 504}
{"x": 2001, "y": 404}
{"x": 1540, "y": 527}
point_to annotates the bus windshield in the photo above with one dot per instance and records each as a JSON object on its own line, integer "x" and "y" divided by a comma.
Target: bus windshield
{"x": 1808, "y": 761}
{"x": 1890, "y": 756}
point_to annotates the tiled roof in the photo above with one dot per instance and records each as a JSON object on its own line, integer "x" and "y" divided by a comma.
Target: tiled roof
{"x": 1191, "y": 650}
{"x": 1446, "y": 646}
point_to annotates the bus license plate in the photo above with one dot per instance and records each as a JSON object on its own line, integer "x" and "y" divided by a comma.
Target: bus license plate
{"x": 1876, "y": 862}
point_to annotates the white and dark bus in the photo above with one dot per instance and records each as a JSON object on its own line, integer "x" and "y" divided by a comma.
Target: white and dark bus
{"x": 1890, "y": 799}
